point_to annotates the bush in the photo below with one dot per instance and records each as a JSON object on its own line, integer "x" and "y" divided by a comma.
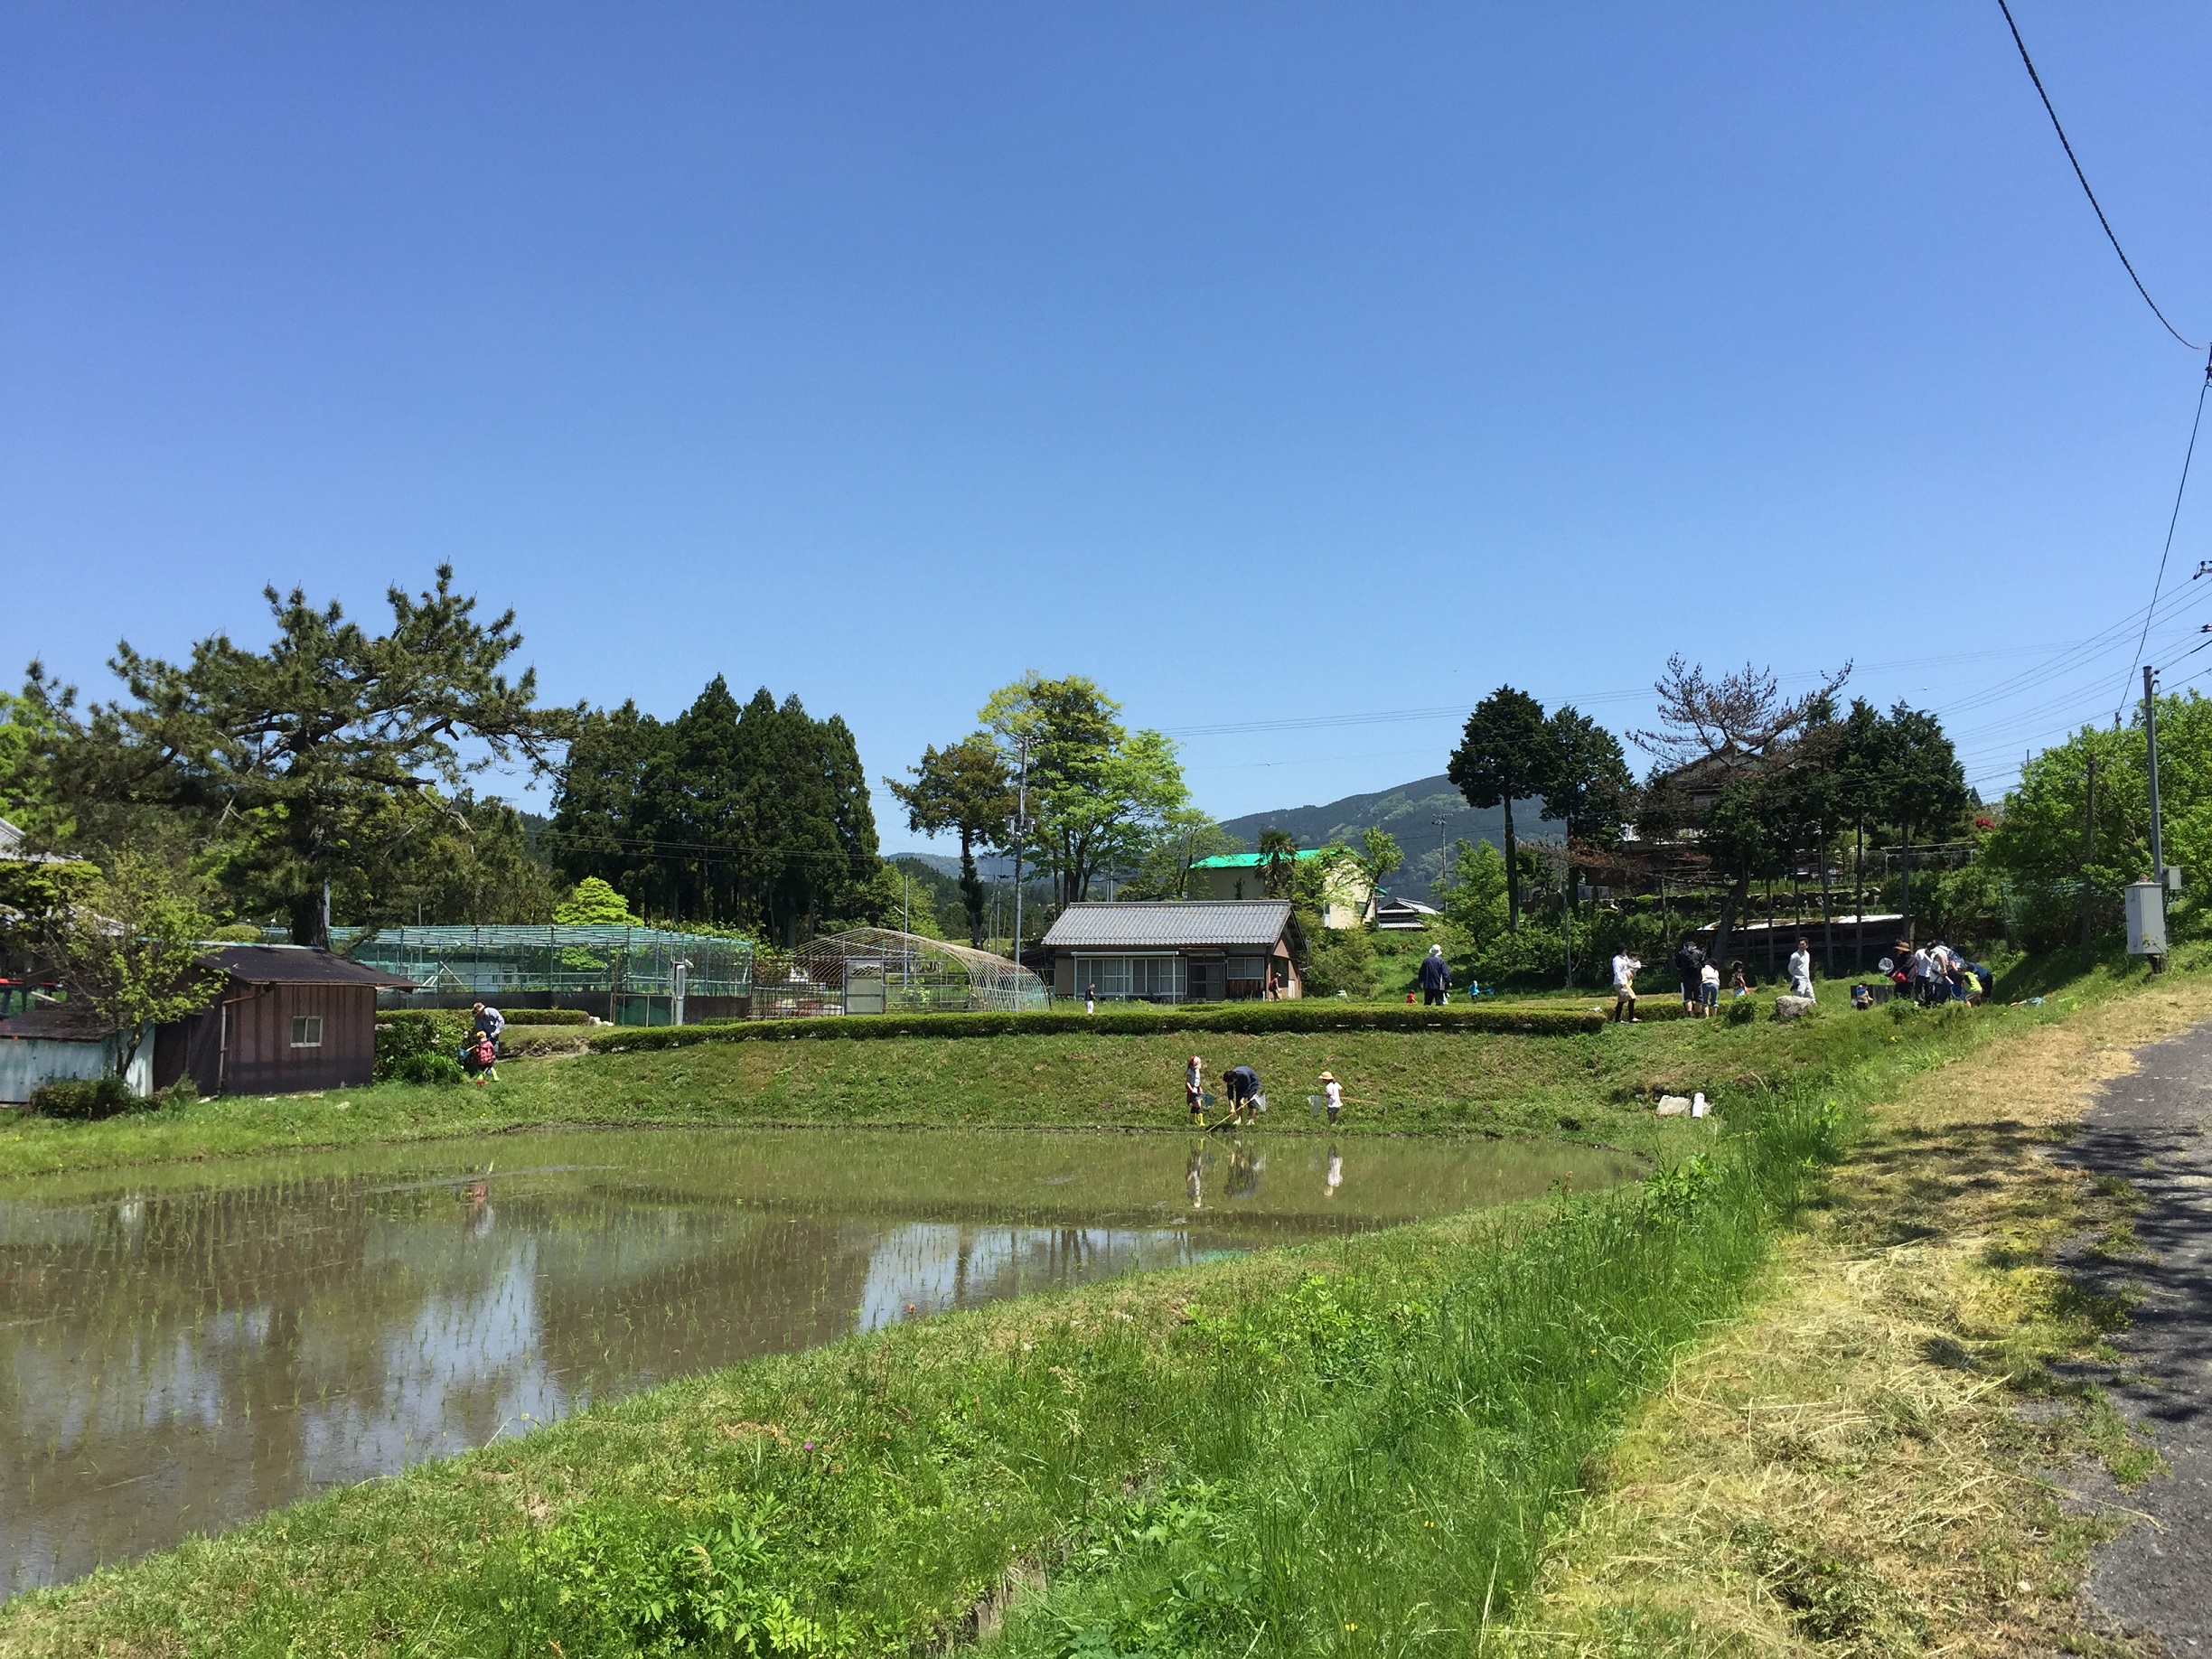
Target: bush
{"x": 1245, "y": 1018}
{"x": 546, "y": 1016}
{"x": 408, "y": 1041}
{"x": 1743, "y": 1010}
{"x": 88, "y": 1098}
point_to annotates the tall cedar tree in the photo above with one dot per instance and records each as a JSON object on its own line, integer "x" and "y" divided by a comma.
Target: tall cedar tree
{"x": 319, "y": 760}
{"x": 756, "y": 815}
{"x": 963, "y": 787}
{"x": 1504, "y": 755}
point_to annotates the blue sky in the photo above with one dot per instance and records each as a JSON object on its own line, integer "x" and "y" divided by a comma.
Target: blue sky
{"x": 1271, "y": 364}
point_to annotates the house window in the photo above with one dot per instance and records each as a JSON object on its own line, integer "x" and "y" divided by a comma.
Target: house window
{"x": 1247, "y": 968}
{"x": 306, "y": 1031}
{"x": 1158, "y": 978}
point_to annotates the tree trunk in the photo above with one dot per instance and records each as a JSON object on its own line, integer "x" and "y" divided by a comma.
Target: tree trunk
{"x": 1730, "y": 906}
{"x": 1906, "y": 849}
{"x": 1827, "y": 913}
{"x": 972, "y": 889}
{"x": 1512, "y": 882}
{"x": 305, "y": 911}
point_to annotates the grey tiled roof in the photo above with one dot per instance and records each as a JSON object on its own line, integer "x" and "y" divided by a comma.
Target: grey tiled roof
{"x": 1161, "y": 924}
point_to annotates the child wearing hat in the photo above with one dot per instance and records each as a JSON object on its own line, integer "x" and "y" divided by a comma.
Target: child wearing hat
{"x": 1333, "y": 1092}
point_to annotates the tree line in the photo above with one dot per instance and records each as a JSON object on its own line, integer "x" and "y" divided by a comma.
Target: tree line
{"x": 1756, "y": 781}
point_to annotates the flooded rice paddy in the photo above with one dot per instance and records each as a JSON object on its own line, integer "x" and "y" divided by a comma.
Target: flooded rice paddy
{"x": 183, "y": 1349}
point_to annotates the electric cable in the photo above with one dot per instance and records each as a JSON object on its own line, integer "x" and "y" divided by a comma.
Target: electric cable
{"x": 2174, "y": 518}
{"x": 2068, "y": 144}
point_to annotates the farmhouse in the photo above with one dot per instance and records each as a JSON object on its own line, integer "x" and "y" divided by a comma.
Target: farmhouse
{"x": 286, "y": 1019}
{"x": 1172, "y": 950}
{"x": 1348, "y": 900}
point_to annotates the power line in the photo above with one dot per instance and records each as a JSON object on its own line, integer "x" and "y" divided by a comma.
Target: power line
{"x": 2083, "y": 177}
{"x": 2175, "y": 517}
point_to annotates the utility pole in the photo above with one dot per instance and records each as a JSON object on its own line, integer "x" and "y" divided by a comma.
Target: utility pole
{"x": 2158, "y": 840}
{"x": 2088, "y": 857}
{"x": 1021, "y": 834}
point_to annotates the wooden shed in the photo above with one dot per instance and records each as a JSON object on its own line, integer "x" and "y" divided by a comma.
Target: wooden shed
{"x": 288, "y": 1019}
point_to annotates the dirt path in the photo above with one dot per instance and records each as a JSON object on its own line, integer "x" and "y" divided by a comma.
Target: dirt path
{"x": 2149, "y": 1129}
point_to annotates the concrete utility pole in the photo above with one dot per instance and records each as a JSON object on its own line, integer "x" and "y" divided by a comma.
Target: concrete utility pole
{"x": 2158, "y": 838}
{"x": 1021, "y": 832}
{"x": 2088, "y": 854}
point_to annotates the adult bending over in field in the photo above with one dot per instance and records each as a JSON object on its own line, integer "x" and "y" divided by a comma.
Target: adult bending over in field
{"x": 1242, "y": 1084}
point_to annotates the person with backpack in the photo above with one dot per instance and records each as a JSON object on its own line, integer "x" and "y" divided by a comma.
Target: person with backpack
{"x": 1690, "y": 968}
{"x": 482, "y": 1060}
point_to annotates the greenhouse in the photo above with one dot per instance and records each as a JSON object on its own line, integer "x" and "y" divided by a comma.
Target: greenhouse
{"x": 632, "y": 976}
{"x": 877, "y": 970}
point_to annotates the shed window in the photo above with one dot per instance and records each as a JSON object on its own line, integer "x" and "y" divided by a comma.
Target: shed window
{"x": 306, "y": 1031}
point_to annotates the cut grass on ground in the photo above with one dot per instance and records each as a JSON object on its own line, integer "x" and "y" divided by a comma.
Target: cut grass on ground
{"x": 1879, "y": 1458}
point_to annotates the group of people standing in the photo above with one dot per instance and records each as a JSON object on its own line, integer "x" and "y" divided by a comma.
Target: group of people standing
{"x": 1935, "y": 974}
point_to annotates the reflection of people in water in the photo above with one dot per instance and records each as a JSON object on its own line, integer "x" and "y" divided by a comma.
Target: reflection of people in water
{"x": 1244, "y": 1170}
{"x": 477, "y": 1196}
{"x": 1194, "y": 1176}
{"x": 1335, "y": 1177}
{"x": 1242, "y": 1084}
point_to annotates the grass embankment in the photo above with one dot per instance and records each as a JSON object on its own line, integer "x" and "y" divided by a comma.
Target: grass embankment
{"x": 1348, "y": 1446}
{"x": 1895, "y": 1452}
{"x": 1593, "y": 1085}
{"x": 1351, "y": 1447}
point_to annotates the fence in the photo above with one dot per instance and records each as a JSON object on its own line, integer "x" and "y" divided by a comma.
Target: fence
{"x": 632, "y": 976}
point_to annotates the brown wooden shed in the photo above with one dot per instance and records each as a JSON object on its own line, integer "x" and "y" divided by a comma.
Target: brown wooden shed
{"x": 289, "y": 1019}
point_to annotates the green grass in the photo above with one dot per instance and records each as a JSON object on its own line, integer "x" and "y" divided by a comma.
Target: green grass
{"x": 1350, "y": 1447}
{"x": 1594, "y": 1085}
{"x": 1243, "y": 1457}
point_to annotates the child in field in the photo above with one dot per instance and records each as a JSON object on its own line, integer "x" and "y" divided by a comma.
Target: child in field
{"x": 1708, "y": 991}
{"x": 1332, "y": 1092}
{"x": 483, "y": 1058}
{"x": 1194, "y": 1087}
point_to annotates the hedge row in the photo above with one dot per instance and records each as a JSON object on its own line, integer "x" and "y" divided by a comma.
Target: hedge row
{"x": 515, "y": 1016}
{"x": 1243, "y": 1017}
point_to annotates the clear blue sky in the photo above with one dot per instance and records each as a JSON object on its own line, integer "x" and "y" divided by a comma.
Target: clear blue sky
{"x": 1268, "y": 364}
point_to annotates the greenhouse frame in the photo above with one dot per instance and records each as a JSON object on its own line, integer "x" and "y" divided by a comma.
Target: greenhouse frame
{"x": 880, "y": 970}
{"x": 631, "y": 976}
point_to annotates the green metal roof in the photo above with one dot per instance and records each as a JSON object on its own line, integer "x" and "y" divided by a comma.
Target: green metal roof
{"x": 1248, "y": 861}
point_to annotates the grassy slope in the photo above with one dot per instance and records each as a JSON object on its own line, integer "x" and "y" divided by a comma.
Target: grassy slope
{"x": 1873, "y": 1461}
{"x": 1585, "y": 1085}
{"x": 1481, "y": 1365}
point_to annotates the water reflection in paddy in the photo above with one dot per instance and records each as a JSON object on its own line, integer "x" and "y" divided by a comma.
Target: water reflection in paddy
{"x": 180, "y": 1350}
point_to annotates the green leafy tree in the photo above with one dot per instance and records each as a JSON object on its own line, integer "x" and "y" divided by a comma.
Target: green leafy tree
{"x": 964, "y": 787}
{"x": 1475, "y": 899}
{"x": 317, "y": 760}
{"x": 595, "y": 903}
{"x": 1923, "y": 783}
{"x": 124, "y": 943}
{"x": 1097, "y": 791}
{"x": 599, "y": 828}
{"x": 1378, "y": 856}
{"x": 1506, "y": 754}
{"x": 1279, "y": 851}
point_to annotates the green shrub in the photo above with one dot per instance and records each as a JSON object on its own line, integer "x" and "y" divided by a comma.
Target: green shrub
{"x": 86, "y": 1098}
{"x": 407, "y": 1040}
{"x": 1742, "y": 1011}
{"x": 1245, "y": 1018}
{"x": 546, "y": 1016}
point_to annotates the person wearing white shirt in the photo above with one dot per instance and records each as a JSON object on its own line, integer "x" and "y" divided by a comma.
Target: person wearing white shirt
{"x": 1624, "y": 968}
{"x": 1801, "y": 971}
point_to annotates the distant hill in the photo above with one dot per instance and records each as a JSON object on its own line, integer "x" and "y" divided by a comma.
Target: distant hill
{"x": 1411, "y": 812}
